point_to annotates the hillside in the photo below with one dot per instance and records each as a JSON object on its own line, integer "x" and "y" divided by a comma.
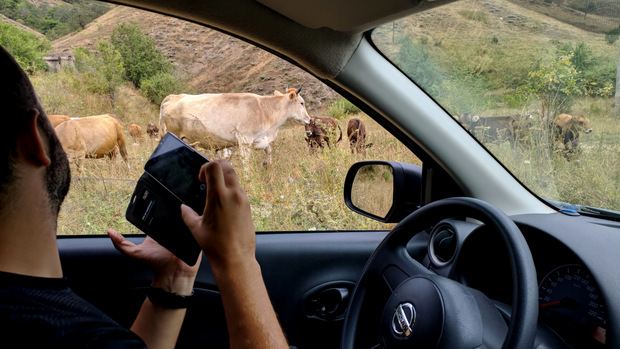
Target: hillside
{"x": 209, "y": 61}
{"x": 5, "y": 19}
{"x": 606, "y": 14}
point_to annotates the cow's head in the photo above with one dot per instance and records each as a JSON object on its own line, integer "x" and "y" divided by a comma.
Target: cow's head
{"x": 582, "y": 123}
{"x": 467, "y": 120}
{"x": 296, "y": 107}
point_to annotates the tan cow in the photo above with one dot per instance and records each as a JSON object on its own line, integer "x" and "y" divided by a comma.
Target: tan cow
{"x": 93, "y": 137}
{"x": 58, "y": 119}
{"x": 135, "y": 131}
{"x": 567, "y": 129}
{"x": 228, "y": 120}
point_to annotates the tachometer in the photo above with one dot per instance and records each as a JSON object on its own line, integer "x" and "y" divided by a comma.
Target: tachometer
{"x": 571, "y": 303}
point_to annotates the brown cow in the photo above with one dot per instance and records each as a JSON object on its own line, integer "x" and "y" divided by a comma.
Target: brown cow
{"x": 93, "y": 137}
{"x": 135, "y": 131}
{"x": 230, "y": 120}
{"x": 152, "y": 130}
{"x": 356, "y": 131}
{"x": 567, "y": 129}
{"x": 58, "y": 119}
{"x": 320, "y": 129}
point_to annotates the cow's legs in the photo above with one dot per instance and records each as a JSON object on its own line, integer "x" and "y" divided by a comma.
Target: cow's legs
{"x": 267, "y": 162}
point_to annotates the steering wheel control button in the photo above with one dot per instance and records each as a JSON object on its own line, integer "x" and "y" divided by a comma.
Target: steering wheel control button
{"x": 404, "y": 320}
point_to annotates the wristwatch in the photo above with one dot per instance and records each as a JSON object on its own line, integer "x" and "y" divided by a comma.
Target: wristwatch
{"x": 166, "y": 299}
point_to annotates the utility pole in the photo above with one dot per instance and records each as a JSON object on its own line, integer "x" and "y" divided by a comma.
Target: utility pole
{"x": 617, "y": 99}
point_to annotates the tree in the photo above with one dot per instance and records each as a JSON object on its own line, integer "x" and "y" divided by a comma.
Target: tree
{"x": 101, "y": 74}
{"x": 554, "y": 85}
{"x": 27, "y": 48}
{"x": 141, "y": 58}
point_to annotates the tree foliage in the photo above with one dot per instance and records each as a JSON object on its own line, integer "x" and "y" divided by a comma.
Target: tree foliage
{"x": 157, "y": 87}
{"x": 554, "y": 84}
{"x": 417, "y": 62}
{"x": 101, "y": 73}
{"x": 54, "y": 21}
{"x": 140, "y": 57}
{"x": 27, "y": 48}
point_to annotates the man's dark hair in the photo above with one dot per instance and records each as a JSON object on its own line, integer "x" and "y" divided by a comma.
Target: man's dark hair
{"x": 17, "y": 99}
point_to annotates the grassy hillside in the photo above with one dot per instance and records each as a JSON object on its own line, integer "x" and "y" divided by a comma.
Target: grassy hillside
{"x": 305, "y": 192}
{"x": 208, "y": 61}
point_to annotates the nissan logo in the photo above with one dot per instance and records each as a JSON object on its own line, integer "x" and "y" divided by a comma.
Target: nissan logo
{"x": 403, "y": 320}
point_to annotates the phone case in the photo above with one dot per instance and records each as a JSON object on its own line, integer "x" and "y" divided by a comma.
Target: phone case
{"x": 157, "y": 212}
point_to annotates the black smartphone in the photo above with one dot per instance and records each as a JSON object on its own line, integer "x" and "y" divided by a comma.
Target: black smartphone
{"x": 170, "y": 178}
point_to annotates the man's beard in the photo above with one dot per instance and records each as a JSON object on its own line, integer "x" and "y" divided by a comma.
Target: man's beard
{"x": 58, "y": 173}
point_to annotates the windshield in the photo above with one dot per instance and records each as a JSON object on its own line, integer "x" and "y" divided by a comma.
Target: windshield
{"x": 533, "y": 81}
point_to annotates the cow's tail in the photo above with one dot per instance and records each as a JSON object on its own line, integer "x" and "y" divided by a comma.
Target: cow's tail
{"x": 162, "y": 124}
{"x": 340, "y": 137}
{"x": 120, "y": 141}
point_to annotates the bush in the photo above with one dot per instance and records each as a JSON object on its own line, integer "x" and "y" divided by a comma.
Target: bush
{"x": 27, "y": 48}
{"x": 340, "y": 108}
{"x": 596, "y": 75}
{"x": 612, "y": 35}
{"x": 140, "y": 57}
{"x": 156, "y": 88}
{"x": 101, "y": 73}
{"x": 419, "y": 65}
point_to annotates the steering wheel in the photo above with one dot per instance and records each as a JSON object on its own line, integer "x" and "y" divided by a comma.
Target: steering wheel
{"x": 426, "y": 310}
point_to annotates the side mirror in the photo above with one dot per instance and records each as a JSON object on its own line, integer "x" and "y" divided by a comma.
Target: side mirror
{"x": 386, "y": 191}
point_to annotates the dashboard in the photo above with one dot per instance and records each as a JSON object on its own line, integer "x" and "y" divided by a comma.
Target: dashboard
{"x": 571, "y": 302}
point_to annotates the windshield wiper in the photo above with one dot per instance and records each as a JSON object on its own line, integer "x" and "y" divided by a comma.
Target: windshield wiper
{"x": 567, "y": 208}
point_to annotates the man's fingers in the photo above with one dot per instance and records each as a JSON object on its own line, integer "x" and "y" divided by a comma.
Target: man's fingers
{"x": 119, "y": 241}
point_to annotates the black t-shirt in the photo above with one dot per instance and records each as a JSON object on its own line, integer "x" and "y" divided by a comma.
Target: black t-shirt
{"x": 45, "y": 313}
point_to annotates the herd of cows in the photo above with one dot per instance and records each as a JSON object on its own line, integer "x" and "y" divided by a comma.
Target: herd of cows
{"x": 237, "y": 121}
{"x": 565, "y": 128}
{"x": 227, "y": 121}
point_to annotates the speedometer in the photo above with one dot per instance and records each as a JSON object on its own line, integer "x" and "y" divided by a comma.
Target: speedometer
{"x": 571, "y": 303}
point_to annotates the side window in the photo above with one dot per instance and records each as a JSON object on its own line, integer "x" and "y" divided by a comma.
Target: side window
{"x": 297, "y": 185}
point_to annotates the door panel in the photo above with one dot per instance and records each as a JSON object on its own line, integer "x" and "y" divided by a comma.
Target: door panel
{"x": 295, "y": 267}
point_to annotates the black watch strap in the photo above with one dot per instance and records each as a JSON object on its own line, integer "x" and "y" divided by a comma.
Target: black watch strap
{"x": 166, "y": 299}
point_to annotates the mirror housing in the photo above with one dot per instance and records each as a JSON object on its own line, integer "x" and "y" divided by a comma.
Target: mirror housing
{"x": 405, "y": 193}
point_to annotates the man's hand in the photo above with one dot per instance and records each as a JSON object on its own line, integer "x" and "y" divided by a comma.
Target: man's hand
{"x": 226, "y": 234}
{"x": 225, "y": 231}
{"x": 171, "y": 273}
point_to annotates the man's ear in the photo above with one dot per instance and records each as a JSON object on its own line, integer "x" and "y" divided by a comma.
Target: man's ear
{"x": 31, "y": 142}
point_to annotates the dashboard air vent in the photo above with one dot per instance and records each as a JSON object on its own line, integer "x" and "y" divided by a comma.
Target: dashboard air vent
{"x": 443, "y": 244}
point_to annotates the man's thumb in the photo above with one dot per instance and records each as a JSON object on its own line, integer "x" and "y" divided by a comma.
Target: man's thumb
{"x": 190, "y": 217}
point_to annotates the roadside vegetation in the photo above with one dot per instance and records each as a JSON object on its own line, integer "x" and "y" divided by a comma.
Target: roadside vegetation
{"x": 496, "y": 73}
{"x": 516, "y": 73}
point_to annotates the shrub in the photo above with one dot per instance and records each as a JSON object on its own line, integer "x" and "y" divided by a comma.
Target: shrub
{"x": 612, "y": 35}
{"x": 140, "y": 57}
{"x": 340, "y": 108}
{"x": 157, "y": 87}
{"x": 420, "y": 66}
{"x": 102, "y": 73}
{"x": 27, "y": 49}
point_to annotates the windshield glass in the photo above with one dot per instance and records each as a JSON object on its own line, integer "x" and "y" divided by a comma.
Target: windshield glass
{"x": 533, "y": 81}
